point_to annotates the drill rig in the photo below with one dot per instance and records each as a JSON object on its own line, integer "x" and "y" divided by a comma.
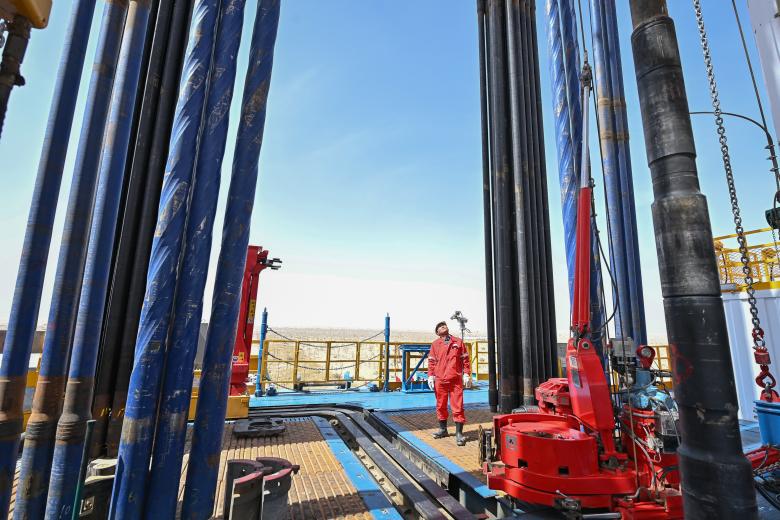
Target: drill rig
{"x": 590, "y": 445}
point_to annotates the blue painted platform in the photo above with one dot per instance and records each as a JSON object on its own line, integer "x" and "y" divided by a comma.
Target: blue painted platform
{"x": 366, "y": 399}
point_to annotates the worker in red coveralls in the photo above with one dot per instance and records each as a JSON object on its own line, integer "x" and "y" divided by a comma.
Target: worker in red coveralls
{"x": 449, "y": 369}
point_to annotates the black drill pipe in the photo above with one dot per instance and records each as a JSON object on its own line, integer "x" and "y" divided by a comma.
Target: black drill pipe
{"x": 127, "y": 231}
{"x": 486, "y": 202}
{"x": 502, "y": 193}
{"x": 520, "y": 154}
{"x": 157, "y": 155}
{"x": 717, "y": 481}
{"x": 534, "y": 373}
{"x": 548, "y": 339}
{"x": 13, "y": 55}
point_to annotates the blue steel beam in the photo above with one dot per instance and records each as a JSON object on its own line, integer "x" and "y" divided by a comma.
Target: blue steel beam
{"x": 37, "y": 240}
{"x": 201, "y": 481}
{"x": 47, "y": 404}
{"x": 564, "y": 73}
{"x": 71, "y": 428}
{"x": 188, "y": 306}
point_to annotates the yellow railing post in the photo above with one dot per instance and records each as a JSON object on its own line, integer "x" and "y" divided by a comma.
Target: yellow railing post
{"x": 328, "y": 347}
{"x": 296, "y": 356}
{"x": 357, "y": 361}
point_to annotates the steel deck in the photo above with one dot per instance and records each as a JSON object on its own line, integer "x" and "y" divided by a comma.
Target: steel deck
{"x": 422, "y": 424}
{"x": 322, "y": 488}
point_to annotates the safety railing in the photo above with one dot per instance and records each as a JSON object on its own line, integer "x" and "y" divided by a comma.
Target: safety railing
{"x": 293, "y": 364}
{"x": 763, "y": 261}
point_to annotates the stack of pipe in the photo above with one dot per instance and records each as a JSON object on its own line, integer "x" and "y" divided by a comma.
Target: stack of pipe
{"x": 519, "y": 214}
{"x": 71, "y": 428}
{"x": 129, "y": 231}
{"x": 138, "y": 223}
{"x": 565, "y": 73}
{"x": 47, "y": 403}
{"x": 32, "y": 266}
{"x": 618, "y": 177}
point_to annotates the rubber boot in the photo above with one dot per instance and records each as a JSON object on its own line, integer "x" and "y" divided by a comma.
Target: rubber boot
{"x": 442, "y": 430}
{"x": 460, "y": 440}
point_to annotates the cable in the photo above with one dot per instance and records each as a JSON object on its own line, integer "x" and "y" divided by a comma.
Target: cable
{"x": 324, "y": 346}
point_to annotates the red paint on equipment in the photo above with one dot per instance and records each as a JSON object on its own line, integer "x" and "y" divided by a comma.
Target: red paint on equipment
{"x": 256, "y": 261}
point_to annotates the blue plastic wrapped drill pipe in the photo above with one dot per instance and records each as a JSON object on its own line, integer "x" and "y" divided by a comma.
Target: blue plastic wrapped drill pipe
{"x": 518, "y": 175}
{"x": 564, "y": 74}
{"x": 201, "y": 481}
{"x": 631, "y": 242}
{"x": 171, "y": 428}
{"x": 716, "y": 478}
{"x": 487, "y": 210}
{"x": 569, "y": 34}
{"x": 158, "y": 154}
{"x": 501, "y": 163}
{"x": 127, "y": 226}
{"x": 138, "y": 428}
{"x": 32, "y": 266}
{"x": 47, "y": 404}
{"x": 612, "y": 171}
{"x": 78, "y": 395}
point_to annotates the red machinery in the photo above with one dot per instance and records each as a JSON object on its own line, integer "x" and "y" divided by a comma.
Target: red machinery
{"x": 586, "y": 448}
{"x": 256, "y": 261}
{"x": 567, "y": 455}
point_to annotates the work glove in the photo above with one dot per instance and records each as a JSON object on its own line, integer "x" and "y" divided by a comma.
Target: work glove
{"x": 430, "y": 382}
{"x": 467, "y": 382}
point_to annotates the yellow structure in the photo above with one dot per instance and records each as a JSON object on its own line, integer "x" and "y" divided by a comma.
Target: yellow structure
{"x": 37, "y": 11}
{"x": 762, "y": 260}
{"x": 289, "y": 364}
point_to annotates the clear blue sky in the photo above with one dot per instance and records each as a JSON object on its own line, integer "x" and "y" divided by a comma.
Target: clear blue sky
{"x": 370, "y": 186}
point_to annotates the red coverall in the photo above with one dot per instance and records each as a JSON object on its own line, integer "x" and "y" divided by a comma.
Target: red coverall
{"x": 447, "y": 362}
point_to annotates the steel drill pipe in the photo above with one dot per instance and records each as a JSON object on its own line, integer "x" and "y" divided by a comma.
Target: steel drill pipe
{"x": 548, "y": 297}
{"x": 138, "y": 427}
{"x": 716, "y": 478}
{"x": 71, "y": 428}
{"x": 519, "y": 176}
{"x": 158, "y": 154}
{"x": 201, "y": 480}
{"x": 37, "y": 239}
{"x": 569, "y": 33}
{"x": 501, "y": 175}
{"x": 127, "y": 229}
{"x": 188, "y": 307}
{"x": 612, "y": 171}
{"x": 47, "y": 403}
{"x": 536, "y": 252}
{"x": 487, "y": 210}
{"x": 631, "y": 241}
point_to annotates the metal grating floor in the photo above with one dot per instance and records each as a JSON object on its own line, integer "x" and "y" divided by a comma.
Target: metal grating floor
{"x": 320, "y": 490}
{"x": 423, "y": 424}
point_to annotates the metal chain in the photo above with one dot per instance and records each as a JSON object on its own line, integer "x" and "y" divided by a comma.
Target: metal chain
{"x": 764, "y": 379}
